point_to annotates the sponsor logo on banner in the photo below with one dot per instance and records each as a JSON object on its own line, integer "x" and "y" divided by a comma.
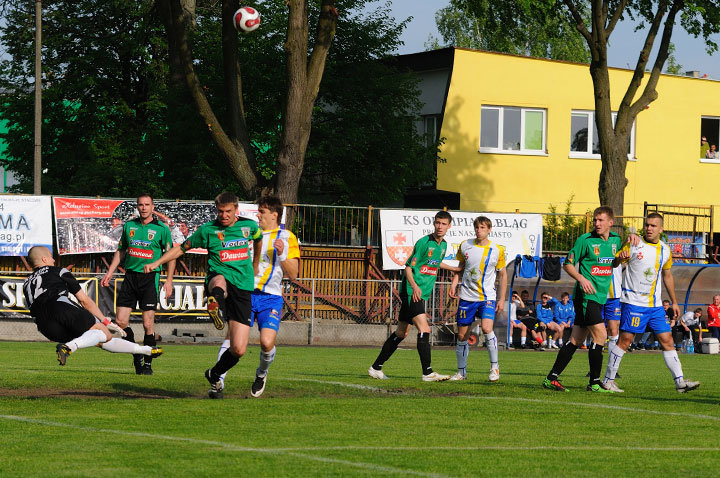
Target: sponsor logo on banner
{"x": 151, "y": 234}
{"x": 141, "y": 253}
{"x": 429, "y": 271}
{"x": 399, "y": 245}
{"x": 233, "y": 255}
{"x": 601, "y": 270}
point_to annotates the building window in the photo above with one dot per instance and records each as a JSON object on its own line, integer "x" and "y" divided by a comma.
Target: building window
{"x": 584, "y": 142}
{"x": 710, "y": 130}
{"x": 431, "y": 129}
{"x": 507, "y": 129}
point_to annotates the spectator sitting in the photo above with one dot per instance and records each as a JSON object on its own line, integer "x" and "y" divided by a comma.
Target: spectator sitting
{"x": 516, "y": 302}
{"x": 545, "y": 314}
{"x": 704, "y": 147}
{"x": 526, "y": 315}
{"x": 712, "y": 153}
{"x": 564, "y": 314}
{"x": 714, "y": 317}
{"x": 689, "y": 326}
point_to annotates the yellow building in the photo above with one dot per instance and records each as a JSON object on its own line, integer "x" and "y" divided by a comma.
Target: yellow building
{"x": 517, "y": 133}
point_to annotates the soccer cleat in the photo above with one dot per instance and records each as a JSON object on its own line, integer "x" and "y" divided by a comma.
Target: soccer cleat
{"x": 215, "y": 312}
{"x": 138, "y": 363}
{"x": 146, "y": 370}
{"x": 554, "y": 385}
{"x": 494, "y": 375}
{"x": 258, "y": 386}
{"x": 156, "y": 352}
{"x": 457, "y": 377}
{"x": 63, "y": 352}
{"x": 216, "y": 387}
{"x": 435, "y": 377}
{"x": 610, "y": 385}
{"x": 597, "y": 388}
{"x": 378, "y": 374}
{"x": 686, "y": 386}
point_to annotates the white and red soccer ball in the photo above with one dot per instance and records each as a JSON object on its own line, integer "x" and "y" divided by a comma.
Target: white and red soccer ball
{"x": 246, "y": 19}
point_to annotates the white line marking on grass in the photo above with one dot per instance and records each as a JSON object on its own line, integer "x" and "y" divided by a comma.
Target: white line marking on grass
{"x": 294, "y": 452}
{"x": 342, "y": 384}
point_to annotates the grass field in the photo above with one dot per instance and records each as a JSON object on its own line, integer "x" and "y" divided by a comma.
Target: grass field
{"x": 321, "y": 415}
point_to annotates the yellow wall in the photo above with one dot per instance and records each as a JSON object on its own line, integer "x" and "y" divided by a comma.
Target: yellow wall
{"x": 667, "y": 147}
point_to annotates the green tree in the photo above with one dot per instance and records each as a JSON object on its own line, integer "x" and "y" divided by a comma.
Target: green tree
{"x": 520, "y": 27}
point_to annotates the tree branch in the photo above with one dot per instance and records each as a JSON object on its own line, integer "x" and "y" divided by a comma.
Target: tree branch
{"x": 579, "y": 22}
{"x": 615, "y": 17}
{"x": 325, "y": 34}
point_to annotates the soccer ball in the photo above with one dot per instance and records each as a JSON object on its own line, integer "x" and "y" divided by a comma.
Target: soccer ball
{"x": 246, "y": 19}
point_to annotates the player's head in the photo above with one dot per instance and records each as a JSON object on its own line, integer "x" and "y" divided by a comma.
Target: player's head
{"x": 565, "y": 297}
{"x": 145, "y": 205}
{"x": 603, "y": 219}
{"x": 544, "y": 297}
{"x": 483, "y": 226}
{"x": 698, "y": 312}
{"x": 270, "y": 210}
{"x": 40, "y": 256}
{"x": 226, "y": 204}
{"x": 442, "y": 222}
{"x": 653, "y": 227}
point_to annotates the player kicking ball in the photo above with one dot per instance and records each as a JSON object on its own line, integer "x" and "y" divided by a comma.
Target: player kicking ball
{"x": 482, "y": 260}
{"x": 648, "y": 267}
{"x": 47, "y": 292}
{"x": 230, "y": 278}
{"x": 280, "y": 257}
{"x": 421, "y": 271}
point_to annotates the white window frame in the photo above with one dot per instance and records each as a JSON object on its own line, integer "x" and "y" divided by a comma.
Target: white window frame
{"x": 521, "y": 151}
{"x": 591, "y": 133}
{"x": 708, "y": 160}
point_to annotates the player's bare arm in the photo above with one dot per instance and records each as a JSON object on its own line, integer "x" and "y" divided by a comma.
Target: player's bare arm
{"x": 450, "y": 268}
{"x": 669, "y": 282}
{"x": 257, "y": 251}
{"x": 586, "y": 285}
{"x": 175, "y": 253}
{"x": 502, "y": 278}
{"x": 117, "y": 257}
{"x": 454, "y": 284}
{"x": 417, "y": 293}
{"x": 290, "y": 267}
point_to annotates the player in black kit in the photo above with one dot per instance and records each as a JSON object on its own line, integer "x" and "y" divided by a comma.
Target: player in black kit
{"x": 47, "y": 292}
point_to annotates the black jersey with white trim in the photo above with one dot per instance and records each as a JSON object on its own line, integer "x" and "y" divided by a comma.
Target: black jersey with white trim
{"x": 48, "y": 283}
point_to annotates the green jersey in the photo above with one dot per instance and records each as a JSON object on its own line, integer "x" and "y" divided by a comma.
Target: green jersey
{"x": 228, "y": 250}
{"x": 424, "y": 261}
{"x": 143, "y": 243}
{"x": 592, "y": 256}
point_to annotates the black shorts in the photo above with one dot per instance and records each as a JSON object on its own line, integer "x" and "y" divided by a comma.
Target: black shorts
{"x": 138, "y": 287}
{"x": 410, "y": 309}
{"x": 238, "y": 303}
{"x": 531, "y": 323}
{"x": 589, "y": 314}
{"x": 61, "y": 320}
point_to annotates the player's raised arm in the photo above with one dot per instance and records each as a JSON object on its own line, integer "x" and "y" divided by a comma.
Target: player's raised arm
{"x": 173, "y": 254}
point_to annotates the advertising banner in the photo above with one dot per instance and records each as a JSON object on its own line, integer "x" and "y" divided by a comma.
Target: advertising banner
{"x": 25, "y": 221}
{"x": 86, "y": 225}
{"x": 519, "y": 233}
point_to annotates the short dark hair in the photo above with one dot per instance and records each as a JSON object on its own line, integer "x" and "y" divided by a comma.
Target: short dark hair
{"x": 273, "y": 203}
{"x": 226, "y": 197}
{"x": 482, "y": 220}
{"x": 607, "y": 210}
{"x": 145, "y": 195}
{"x": 443, "y": 215}
{"x": 564, "y": 294}
{"x": 656, "y": 215}
{"x": 545, "y": 294}
{"x": 698, "y": 310}
{"x": 666, "y": 301}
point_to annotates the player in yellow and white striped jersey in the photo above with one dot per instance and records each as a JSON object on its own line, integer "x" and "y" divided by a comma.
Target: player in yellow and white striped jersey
{"x": 647, "y": 269}
{"x": 280, "y": 257}
{"x": 483, "y": 262}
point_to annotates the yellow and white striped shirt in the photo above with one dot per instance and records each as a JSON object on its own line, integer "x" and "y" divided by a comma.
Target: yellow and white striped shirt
{"x": 481, "y": 264}
{"x": 642, "y": 279}
{"x": 270, "y": 273}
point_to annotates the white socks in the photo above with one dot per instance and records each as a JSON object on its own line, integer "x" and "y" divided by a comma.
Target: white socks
{"x": 122, "y": 346}
{"x": 266, "y": 358}
{"x": 462, "y": 349}
{"x": 225, "y": 345}
{"x": 613, "y": 365}
{"x": 612, "y": 342}
{"x": 673, "y": 364}
{"x": 492, "y": 349}
{"x": 90, "y": 338}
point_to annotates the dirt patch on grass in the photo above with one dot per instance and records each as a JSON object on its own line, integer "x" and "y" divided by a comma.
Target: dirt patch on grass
{"x": 89, "y": 394}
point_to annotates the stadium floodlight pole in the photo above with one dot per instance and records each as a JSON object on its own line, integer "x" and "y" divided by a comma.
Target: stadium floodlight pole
{"x": 37, "y": 172}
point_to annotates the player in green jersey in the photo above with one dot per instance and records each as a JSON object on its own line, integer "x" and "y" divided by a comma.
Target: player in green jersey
{"x": 589, "y": 262}
{"x": 143, "y": 240}
{"x": 230, "y": 279}
{"x": 418, "y": 282}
